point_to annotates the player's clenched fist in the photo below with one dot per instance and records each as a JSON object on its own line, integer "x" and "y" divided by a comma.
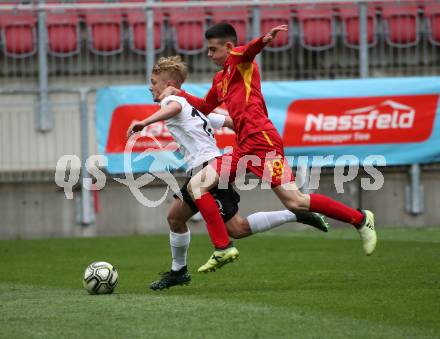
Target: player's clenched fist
{"x": 136, "y": 126}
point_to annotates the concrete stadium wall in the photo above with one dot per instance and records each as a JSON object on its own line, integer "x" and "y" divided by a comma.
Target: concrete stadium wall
{"x": 40, "y": 209}
{"x": 23, "y": 147}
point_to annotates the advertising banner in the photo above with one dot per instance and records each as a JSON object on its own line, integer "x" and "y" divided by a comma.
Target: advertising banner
{"x": 394, "y": 118}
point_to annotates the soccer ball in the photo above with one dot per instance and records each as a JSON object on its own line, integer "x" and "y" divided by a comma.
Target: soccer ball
{"x": 100, "y": 277}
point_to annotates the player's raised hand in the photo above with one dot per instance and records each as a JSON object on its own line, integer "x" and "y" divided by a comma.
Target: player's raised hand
{"x": 136, "y": 126}
{"x": 170, "y": 90}
{"x": 273, "y": 33}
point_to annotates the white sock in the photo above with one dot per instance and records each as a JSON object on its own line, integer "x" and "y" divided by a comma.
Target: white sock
{"x": 264, "y": 221}
{"x": 179, "y": 243}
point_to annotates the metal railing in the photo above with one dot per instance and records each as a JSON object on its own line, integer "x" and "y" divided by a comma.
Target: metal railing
{"x": 118, "y": 42}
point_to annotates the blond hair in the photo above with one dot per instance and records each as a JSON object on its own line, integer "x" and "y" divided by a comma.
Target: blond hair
{"x": 175, "y": 68}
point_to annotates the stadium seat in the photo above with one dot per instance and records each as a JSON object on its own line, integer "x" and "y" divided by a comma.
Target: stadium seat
{"x": 19, "y": 35}
{"x": 432, "y": 21}
{"x": 188, "y": 28}
{"x": 271, "y": 18}
{"x": 401, "y": 25}
{"x": 349, "y": 16}
{"x": 63, "y": 34}
{"x": 316, "y": 28}
{"x": 105, "y": 32}
{"x": 138, "y": 32}
{"x": 238, "y": 17}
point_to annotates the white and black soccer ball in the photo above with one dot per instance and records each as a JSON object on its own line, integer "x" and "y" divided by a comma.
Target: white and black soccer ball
{"x": 100, "y": 277}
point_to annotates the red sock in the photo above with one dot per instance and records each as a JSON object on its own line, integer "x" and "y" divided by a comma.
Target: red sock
{"x": 214, "y": 221}
{"x": 334, "y": 209}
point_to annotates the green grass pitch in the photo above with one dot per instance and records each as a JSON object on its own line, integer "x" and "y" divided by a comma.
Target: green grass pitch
{"x": 302, "y": 284}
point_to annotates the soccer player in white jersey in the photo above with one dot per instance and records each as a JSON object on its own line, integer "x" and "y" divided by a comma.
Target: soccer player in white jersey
{"x": 194, "y": 133}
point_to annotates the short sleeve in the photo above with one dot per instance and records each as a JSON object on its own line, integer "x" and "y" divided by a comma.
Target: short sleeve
{"x": 217, "y": 120}
{"x": 170, "y": 98}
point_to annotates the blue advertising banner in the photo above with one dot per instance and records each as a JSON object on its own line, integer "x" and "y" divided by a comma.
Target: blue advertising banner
{"x": 395, "y": 118}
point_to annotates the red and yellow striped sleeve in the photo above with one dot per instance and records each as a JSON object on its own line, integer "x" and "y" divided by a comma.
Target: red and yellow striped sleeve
{"x": 205, "y": 105}
{"x": 249, "y": 51}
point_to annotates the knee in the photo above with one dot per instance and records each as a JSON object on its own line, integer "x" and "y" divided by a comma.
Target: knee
{"x": 176, "y": 224}
{"x": 190, "y": 190}
{"x": 202, "y": 182}
{"x": 194, "y": 191}
{"x": 238, "y": 230}
{"x": 293, "y": 205}
{"x": 236, "y": 233}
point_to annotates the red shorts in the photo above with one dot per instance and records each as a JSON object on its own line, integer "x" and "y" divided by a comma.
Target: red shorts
{"x": 261, "y": 153}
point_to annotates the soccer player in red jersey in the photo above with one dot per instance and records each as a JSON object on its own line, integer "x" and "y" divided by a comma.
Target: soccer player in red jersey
{"x": 259, "y": 146}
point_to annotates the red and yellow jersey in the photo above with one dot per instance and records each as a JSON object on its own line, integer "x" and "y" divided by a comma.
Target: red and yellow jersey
{"x": 238, "y": 86}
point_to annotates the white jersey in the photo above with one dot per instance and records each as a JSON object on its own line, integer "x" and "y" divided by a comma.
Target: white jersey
{"x": 193, "y": 132}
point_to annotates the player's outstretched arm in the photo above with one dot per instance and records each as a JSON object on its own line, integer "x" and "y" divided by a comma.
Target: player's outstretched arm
{"x": 256, "y": 46}
{"x": 171, "y": 110}
{"x": 273, "y": 33}
{"x": 205, "y": 105}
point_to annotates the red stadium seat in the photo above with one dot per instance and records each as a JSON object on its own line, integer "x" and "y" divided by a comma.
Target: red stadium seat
{"x": 238, "y": 17}
{"x": 316, "y": 27}
{"x": 138, "y": 32}
{"x": 19, "y": 35}
{"x": 188, "y": 27}
{"x": 401, "y": 25}
{"x": 271, "y": 18}
{"x": 105, "y": 32}
{"x": 350, "y": 25}
{"x": 63, "y": 34}
{"x": 432, "y": 19}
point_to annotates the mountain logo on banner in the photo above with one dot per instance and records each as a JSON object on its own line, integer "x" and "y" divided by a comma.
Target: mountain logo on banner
{"x": 367, "y": 120}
